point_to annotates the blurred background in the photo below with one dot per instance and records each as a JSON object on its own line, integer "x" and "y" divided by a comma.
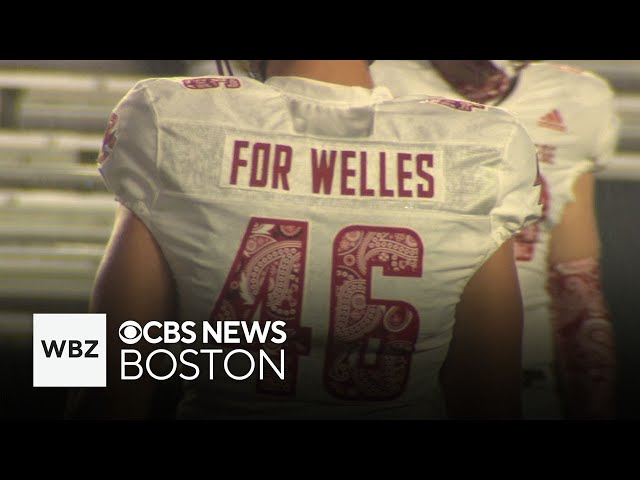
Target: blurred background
{"x": 56, "y": 215}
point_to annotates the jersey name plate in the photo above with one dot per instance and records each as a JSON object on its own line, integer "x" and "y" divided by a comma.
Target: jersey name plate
{"x": 291, "y": 165}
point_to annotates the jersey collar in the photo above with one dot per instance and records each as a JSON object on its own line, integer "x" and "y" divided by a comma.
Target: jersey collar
{"x": 329, "y": 92}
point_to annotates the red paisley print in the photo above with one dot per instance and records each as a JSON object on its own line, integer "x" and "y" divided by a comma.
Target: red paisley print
{"x": 268, "y": 273}
{"x": 370, "y": 341}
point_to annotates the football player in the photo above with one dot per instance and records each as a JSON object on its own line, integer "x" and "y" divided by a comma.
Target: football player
{"x": 568, "y": 345}
{"x": 378, "y": 230}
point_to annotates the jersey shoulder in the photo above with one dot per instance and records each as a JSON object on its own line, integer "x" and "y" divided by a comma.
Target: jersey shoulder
{"x": 430, "y": 104}
{"x": 192, "y": 96}
{"x": 575, "y": 84}
{"x": 205, "y": 82}
{"x": 561, "y": 98}
{"x": 454, "y": 118}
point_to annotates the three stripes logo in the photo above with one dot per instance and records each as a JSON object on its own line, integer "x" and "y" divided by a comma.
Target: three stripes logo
{"x": 553, "y": 120}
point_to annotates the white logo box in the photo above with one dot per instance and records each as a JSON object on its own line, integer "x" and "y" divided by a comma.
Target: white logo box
{"x": 82, "y": 366}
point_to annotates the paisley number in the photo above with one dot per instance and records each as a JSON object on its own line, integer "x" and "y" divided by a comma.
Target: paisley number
{"x": 370, "y": 340}
{"x": 268, "y": 272}
{"x": 526, "y": 240}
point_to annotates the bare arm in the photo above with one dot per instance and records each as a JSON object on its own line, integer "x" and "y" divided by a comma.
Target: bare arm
{"x": 481, "y": 375}
{"x": 577, "y": 236}
{"x": 133, "y": 283}
{"x": 583, "y": 333}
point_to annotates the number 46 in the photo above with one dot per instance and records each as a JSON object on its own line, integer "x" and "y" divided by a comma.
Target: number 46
{"x": 269, "y": 272}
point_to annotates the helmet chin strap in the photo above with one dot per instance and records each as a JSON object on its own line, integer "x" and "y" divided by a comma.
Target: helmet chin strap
{"x": 481, "y": 81}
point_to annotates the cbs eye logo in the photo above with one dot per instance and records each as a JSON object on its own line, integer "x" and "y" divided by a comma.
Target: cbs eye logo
{"x": 130, "y": 332}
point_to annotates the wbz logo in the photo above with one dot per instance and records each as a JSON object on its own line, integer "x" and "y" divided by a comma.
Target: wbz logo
{"x": 74, "y": 350}
{"x": 69, "y": 350}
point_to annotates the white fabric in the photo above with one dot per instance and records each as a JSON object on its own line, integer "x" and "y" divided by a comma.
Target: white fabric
{"x": 583, "y": 140}
{"x": 171, "y": 164}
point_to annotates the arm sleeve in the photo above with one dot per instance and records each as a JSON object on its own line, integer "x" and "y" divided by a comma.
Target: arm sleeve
{"x": 518, "y": 202}
{"x": 128, "y": 163}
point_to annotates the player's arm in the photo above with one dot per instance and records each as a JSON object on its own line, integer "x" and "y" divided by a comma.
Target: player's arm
{"x": 576, "y": 236}
{"x": 133, "y": 283}
{"x": 583, "y": 333}
{"x": 481, "y": 374}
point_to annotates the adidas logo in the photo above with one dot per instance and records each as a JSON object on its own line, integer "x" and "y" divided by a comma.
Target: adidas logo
{"x": 553, "y": 120}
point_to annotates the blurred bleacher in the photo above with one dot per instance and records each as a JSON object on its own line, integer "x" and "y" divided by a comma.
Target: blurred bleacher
{"x": 56, "y": 216}
{"x": 55, "y": 213}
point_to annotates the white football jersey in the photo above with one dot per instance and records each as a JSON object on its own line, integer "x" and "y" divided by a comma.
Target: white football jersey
{"x": 570, "y": 116}
{"x": 356, "y": 219}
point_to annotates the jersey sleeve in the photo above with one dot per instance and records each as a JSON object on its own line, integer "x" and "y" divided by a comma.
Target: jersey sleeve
{"x": 596, "y": 129}
{"x": 128, "y": 162}
{"x": 607, "y": 129}
{"x": 518, "y": 202}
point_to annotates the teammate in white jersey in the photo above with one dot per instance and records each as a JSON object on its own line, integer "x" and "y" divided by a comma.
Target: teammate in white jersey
{"x": 568, "y": 337}
{"x": 379, "y": 230}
